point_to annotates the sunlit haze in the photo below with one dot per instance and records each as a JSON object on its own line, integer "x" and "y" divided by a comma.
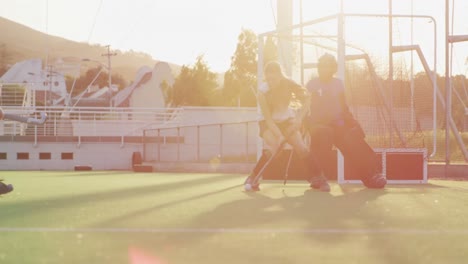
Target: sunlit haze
{"x": 178, "y": 31}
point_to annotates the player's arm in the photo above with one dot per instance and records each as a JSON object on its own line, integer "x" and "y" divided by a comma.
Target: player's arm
{"x": 262, "y": 102}
{"x": 303, "y": 96}
{"x": 305, "y": 102}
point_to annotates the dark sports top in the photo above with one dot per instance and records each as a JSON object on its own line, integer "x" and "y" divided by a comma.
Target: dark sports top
{"x": 286, "y": 92}
{"x": 328, "y": 104}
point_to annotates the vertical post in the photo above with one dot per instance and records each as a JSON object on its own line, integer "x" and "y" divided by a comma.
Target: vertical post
{"x": 283, "y": 28}
{"x": 259, "y": 83}
{"x": 159, "y": 144}
{"x": 109, "y": 91}
{"x": 144, "y": 144}
{"x": 220, "y": 140}
{"x": 198, "y": 143}
{"x": 448, "y": 92}
{"x": 48, "y": 97}
{"x": 341, "y": 74}
{"x": 412, "y": 121}
{"x": 247, "y": 141}
{"x": 109, "y": 68}
{"x": 178, "y": 144}
{"x": 301, "y": 42}
{"x": 390, "y": 67}
{"x": 341, "y": 44}
{"x": 434, "y": 93}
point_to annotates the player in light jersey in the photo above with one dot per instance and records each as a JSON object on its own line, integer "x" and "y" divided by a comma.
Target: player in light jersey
{"x": 279, "y": 121}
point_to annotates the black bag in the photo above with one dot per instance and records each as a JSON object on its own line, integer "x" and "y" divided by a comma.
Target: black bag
{"x": 5, "y": 188}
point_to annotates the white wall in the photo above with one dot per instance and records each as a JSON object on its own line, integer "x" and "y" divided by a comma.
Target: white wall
{"x": 102, "y": 156}
{"x": 150, "y": 93}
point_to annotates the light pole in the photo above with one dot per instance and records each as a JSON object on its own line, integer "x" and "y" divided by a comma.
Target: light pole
{"x": 109, "y": 69}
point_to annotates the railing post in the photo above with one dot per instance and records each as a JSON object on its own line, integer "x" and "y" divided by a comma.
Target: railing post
{"x": 35, "y": 135}
{"x": 220, "y": 141}
{"x": 198, "y": 143}
{"x": 144, "y": 144}
{"x": 159, "y": 144}
{"x": 178, "y": 144}
{"x": 246, "y": 141}
{"x": 55, "y": 125}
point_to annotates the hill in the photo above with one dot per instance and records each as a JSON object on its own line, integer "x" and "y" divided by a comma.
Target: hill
{"x": 20, "y": 42}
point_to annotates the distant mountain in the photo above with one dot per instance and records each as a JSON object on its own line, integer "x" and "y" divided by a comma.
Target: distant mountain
{"x": 20, "y": 42}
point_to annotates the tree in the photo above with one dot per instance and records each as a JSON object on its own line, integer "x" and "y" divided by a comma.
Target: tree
{"x": 460, "y": 99}
{"x": 102, "y": 80}
{"x": 241, "y": 78}
{"x": 5, "y": 58}
{"x": 270, "y": 50}
{"x": 168, "y": 93}
{"x": 195, "y": 86}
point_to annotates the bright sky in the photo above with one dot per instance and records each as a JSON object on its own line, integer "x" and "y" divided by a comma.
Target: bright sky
{"x": 178, "y": 31}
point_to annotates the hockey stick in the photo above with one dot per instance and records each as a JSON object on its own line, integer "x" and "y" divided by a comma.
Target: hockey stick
{"x": 257, "y": 177}
{"x": 286, "y": 174}
{"x": 24, "y": 119}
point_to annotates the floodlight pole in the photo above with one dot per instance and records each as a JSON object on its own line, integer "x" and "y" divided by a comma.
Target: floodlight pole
{"x": 390, "y": 67}
{"x": 341, "y": 48}
{"x": 448, "y": 91}
{"x": 301, "y": 43}
{"x": 109, "y": 69}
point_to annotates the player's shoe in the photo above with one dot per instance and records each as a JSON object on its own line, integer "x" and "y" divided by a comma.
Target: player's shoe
{"x": 376, "y": 181}
{"x": 319, "y": 183}
{"x": 249, "y": 186}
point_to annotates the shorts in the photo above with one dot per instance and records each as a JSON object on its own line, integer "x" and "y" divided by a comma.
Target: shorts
{"x": 283, "y": 126}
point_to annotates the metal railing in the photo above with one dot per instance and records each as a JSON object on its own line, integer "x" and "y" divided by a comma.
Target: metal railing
{"x": 90, "y": 121}
{"x": 234, "y": 141}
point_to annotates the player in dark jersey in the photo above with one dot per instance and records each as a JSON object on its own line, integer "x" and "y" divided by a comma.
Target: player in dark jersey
{"x": 331, "y": 123}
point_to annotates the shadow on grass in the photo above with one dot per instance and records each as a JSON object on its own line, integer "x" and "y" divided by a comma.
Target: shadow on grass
{"x": 261, "y": 214}
{"x": 139, "y": 213}
{"x": 92, "y": 173}
{"x": 29, "y": 208}
{"x": 323, "y": 218}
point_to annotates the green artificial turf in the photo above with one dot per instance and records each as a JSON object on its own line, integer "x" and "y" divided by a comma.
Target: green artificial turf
{"x": 126, "y": 217}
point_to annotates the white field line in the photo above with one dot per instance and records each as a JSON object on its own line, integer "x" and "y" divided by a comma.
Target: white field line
{"x": 318, "y": 231}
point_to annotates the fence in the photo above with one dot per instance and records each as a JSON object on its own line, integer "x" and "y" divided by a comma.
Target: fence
{"x": 226, "y": 142}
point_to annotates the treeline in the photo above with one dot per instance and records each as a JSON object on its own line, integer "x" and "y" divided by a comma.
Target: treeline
{"x": 197, "y": 85}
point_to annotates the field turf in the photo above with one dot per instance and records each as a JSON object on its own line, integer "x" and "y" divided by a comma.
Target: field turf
{"x": 126, "y": 217}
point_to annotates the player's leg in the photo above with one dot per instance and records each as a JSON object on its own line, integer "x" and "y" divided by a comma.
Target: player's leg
{"x": 272, "y": 145}
{"x": 249, "y": 184}
{"x": 353, "y": 146}
{"x": 321, "y": 143}
{"x": 317, "y": 180}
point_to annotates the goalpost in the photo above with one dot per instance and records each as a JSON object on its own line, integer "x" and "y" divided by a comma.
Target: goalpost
{"x": 397, "y": 128}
